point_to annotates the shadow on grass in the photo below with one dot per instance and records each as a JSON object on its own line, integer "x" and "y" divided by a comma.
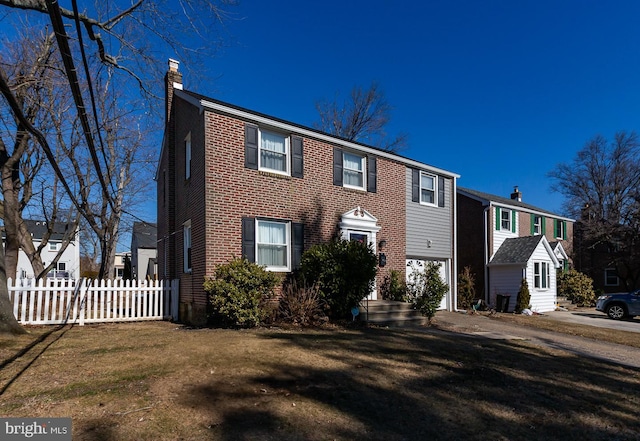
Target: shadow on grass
{"x": 403, "y": 385}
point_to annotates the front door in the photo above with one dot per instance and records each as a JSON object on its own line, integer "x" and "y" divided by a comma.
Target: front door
{"x": 365, "y": 237}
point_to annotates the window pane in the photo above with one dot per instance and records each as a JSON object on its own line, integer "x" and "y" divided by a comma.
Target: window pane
{"x": 505, "y": 215}
{"x": 273, "y": 151}
{"x": 272, "y": 244}
{"x": 352, "y": 162}
{"x": 427, "y": 189}
{"x": 353, "y": 178}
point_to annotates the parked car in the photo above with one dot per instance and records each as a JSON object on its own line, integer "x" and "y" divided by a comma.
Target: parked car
{"x": 620, "y": 305}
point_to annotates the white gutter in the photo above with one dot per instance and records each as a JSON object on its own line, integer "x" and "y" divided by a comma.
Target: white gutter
{"x": 454, "y": 288}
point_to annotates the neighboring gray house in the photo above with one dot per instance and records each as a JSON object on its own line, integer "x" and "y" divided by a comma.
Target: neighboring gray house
{"x": 144, "y": 250}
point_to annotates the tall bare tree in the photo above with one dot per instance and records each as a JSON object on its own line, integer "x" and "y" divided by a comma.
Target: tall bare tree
{"x": 363, "y": 117}
{"x": 126, "y": 40}
{"x": 602, "y": 189}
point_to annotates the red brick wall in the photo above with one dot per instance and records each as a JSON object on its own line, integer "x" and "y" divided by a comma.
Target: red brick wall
{"x": 221, "y": 191}
{"x": 471, "y": 239}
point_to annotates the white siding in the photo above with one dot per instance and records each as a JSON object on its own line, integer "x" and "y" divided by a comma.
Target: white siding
{"x": 505, "y": 280}
{"x": 542, "y": 300}
{"x": 499, "y": 236}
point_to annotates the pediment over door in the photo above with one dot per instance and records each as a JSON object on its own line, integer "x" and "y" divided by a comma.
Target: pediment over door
{"x": 359, "y": 219}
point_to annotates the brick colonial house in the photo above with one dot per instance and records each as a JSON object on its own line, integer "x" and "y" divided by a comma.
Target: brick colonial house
{"x": 504, "y": 240}
{"x": 233, "y": 182}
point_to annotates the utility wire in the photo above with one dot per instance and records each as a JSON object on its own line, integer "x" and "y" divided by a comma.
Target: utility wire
{"x": 91, "y": 92}
{"x": 65, "y": 51}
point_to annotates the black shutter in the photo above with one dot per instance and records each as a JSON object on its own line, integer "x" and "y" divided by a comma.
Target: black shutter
{"x": 251, "y": 146}
{"x": 337, "y": 166}
{"x": 372, "y": 173}
{"x": 440, "y": 191}
{"x": 249, "y": 239}
{"x": 297, "y": 163}
{"x": 415, "y": 185}
{"x": 298, "y": 244}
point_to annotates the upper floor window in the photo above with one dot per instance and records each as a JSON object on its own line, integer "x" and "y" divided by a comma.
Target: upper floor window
{"x": 427, "y": 188}
{"x": 187, "y": 156}
{"x": 274, "y": 152}
{"x": 353, "y": 170}
{"x": 561, "y": 229}
{"x": 537, "y": 225}
{"x": 505, "y": 220}
{"x": 611, "y": 277}
{"x": 541, "y": 275}
{"x": 54, "y": 246}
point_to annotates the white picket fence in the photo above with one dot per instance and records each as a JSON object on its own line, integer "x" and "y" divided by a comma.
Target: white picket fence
{"x": 58, "y": 301}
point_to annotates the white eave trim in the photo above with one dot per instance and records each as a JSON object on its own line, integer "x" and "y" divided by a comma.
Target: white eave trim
{"x": 202, "y": 104}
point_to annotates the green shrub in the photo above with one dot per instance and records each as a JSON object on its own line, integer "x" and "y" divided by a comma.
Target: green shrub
{"x": 524, "y": 297}
{"x": 577, "y": 287}
{"x": 393, "y": 287}
{"x": 344, "y": 272}
{"x": 466, "y": 289}
{"x": 238, "y": 293}
{"x": 301, "y": 305}
{"x": 426, "y": 289}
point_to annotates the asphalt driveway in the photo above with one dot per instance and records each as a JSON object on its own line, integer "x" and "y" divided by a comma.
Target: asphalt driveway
{"x": 483, "y": 326}
{"x": 591, "y": 317}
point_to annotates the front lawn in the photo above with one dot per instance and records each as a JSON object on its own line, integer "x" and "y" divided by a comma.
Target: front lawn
{"x": 162, "y": 381}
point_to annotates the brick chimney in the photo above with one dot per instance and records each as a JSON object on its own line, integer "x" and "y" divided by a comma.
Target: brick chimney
{"x": 173, "y": 80}
{"x": 516, "y": 195}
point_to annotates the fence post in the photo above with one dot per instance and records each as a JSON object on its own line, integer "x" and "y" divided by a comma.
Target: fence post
{"x": 83, "y": 300}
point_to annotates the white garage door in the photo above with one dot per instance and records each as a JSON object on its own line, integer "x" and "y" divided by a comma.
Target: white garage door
{"x": 418, "y": 265}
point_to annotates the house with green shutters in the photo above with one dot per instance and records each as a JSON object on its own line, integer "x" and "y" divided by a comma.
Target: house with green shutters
{"x": 504, "y": 240}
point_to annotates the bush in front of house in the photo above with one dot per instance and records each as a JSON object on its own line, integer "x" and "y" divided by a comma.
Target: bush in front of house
{"x": 466, "y": 288}
{"x": 344, "y": 272}
{"x": 577, "y": 287}
{"x": 301, "y": 305}
{"x": 524, "y": 297}
{"x": 238, "y": 293}
{"x": 425, "y": 289}
{"x": 393, "y": 287}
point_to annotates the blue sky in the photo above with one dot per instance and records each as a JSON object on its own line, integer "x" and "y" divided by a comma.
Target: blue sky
{"x": 496, "y": 91}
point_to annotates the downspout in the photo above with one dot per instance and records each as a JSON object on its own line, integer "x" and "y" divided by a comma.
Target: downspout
{"x": 486, "y": 253}
{"x": 454, "y": 262}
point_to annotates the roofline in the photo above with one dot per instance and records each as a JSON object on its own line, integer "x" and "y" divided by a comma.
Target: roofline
{"x": 219, "y": 106}
{"x": 493, "y": 203}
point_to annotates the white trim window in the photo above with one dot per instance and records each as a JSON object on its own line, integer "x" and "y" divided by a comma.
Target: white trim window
{"x": 505, "y": 219}
{"x": 541, "y": 275}
{"x": 272, "y": 244}
{"x": 560, "y": 230}
{"x": 187, "y": 156}
{"x": 186, "y": 246}
{"x": 54, "y": 246}
{"x": 428, "y": 188}
{"x": 353, "y": 170}
{"x": 611, "y": 277}
{"x": 537, "y": 225}
{"x": 274, "y": 152}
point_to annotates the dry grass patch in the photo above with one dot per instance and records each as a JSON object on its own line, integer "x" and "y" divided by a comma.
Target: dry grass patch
{"x": 161, "y": 381}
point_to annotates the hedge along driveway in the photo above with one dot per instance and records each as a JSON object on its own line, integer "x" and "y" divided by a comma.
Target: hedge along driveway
{"x": 163, "y": 381}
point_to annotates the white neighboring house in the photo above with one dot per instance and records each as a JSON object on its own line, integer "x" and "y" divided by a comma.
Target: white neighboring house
{"x": 144, "y": 251}
{"x": 119, "y": 264}
{"x": 68, "y": 265}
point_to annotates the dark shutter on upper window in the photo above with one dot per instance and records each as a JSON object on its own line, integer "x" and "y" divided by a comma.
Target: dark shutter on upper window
{"x": 533, "y": 224}
{"x": 249, "y": 239}
{"x": 415, "y": 185}
{"x": 514, "y": 214}
{"x": 372, "y": 173}
{"x": 298, "y": 244}
{"x": 441, "y": 191}
{"x": 498, "y": 219}
{"x": 297, "y": 163}
{"x": 337, "y": 166}
{"x": 251, "y": 146}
